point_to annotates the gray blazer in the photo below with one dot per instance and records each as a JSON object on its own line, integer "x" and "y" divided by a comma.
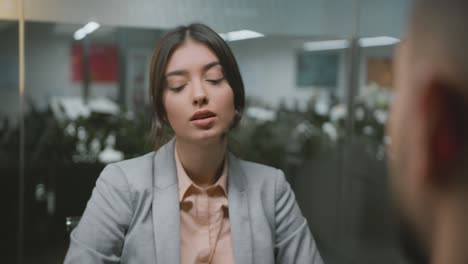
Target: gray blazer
{"x": 133, "y": 215}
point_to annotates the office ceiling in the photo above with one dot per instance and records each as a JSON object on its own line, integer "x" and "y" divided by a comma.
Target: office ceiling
{"x": 311, "y": 18}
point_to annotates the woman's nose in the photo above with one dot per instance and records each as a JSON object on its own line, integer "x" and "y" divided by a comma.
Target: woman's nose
{"x": 200, "y": 100}
{"x": 200, "y": 97}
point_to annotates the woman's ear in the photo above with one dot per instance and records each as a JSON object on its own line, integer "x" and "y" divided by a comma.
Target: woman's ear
{"x": 237, "y": 118}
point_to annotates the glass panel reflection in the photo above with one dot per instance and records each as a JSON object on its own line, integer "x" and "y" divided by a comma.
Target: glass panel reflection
{"x": 88, "y": 105}
{"x": 9, "y": 138}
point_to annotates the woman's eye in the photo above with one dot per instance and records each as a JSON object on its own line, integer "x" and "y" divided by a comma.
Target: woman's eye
{"x": 215, "y": 81}
{"x": 177, "y": 88}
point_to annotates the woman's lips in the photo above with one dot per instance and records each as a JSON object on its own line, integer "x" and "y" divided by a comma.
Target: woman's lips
{"x": 204, "y": 122}
{"x": 200, "y": 114}
{"x": 203, "y": 118}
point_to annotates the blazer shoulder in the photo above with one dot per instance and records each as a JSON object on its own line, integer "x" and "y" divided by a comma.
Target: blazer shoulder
{"x": 258, "y": 167}
{"x": 261, "y": 173}
{"x": 137, "y": 171}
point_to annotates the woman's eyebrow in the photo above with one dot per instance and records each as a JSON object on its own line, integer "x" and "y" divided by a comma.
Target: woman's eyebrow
{"x": 185, "y": 72}
{"x": 211, "y": 65}
{"x": 177, "y": 73}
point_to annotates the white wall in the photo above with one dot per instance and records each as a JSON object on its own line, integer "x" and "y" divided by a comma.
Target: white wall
{"x": 48, "y": 67}
{"x": 269, "y": 68}
{"x": 48, "y": 64}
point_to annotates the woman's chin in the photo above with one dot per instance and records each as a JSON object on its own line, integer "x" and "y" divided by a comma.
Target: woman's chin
{"x": 208, "y": 136}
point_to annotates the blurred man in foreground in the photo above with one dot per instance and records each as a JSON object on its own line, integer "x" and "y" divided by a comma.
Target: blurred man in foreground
{"x": 429, "y": 132}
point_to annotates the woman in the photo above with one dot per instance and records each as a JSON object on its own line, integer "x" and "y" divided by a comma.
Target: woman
{"x": 192, "y": 201}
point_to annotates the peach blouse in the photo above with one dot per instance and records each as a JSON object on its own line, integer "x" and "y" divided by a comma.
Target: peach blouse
{"x": 205, "y": 229}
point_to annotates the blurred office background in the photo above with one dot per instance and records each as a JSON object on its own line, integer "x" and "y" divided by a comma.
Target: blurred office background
{"x": 318, "y": 82}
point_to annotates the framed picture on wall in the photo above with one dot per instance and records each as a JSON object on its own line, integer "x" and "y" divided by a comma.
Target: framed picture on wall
{"x": 103, "y": 62}
{"x": 379, "y": 71}
{"x": 317, "y": 69}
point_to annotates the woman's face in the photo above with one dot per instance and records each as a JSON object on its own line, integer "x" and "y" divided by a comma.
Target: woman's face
{"x": 198, "y": 100}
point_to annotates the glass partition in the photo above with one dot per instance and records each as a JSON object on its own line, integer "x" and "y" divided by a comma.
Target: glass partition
{"x": 370, "y": 232}
{"x": 9, "y": 138}
{"x": 86, "y": 105}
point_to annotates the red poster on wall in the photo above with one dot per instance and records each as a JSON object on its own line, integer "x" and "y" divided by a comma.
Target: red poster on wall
{"x": 76, "y": 62}
{"x": 103, "y": 62}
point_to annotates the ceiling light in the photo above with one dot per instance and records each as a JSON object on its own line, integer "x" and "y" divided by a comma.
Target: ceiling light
{"x": 326, "y": 45}
{"x": 240, "y": 35}
{"x": 86, "y": 30}
{"x": 378, "y": 41}
{"x": 79, "y": 34}
{"x": 90, "y": 27}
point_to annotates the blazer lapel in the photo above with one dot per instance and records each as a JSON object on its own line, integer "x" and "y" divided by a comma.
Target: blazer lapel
{"x": 239, "y": 215}
{"x": 165, "y": 207}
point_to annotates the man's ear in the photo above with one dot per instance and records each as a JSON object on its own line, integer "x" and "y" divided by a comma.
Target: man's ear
{"x": 444, "y": 109}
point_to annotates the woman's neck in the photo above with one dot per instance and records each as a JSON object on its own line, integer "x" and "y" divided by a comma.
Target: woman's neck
{"x": 202, "y": 163}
